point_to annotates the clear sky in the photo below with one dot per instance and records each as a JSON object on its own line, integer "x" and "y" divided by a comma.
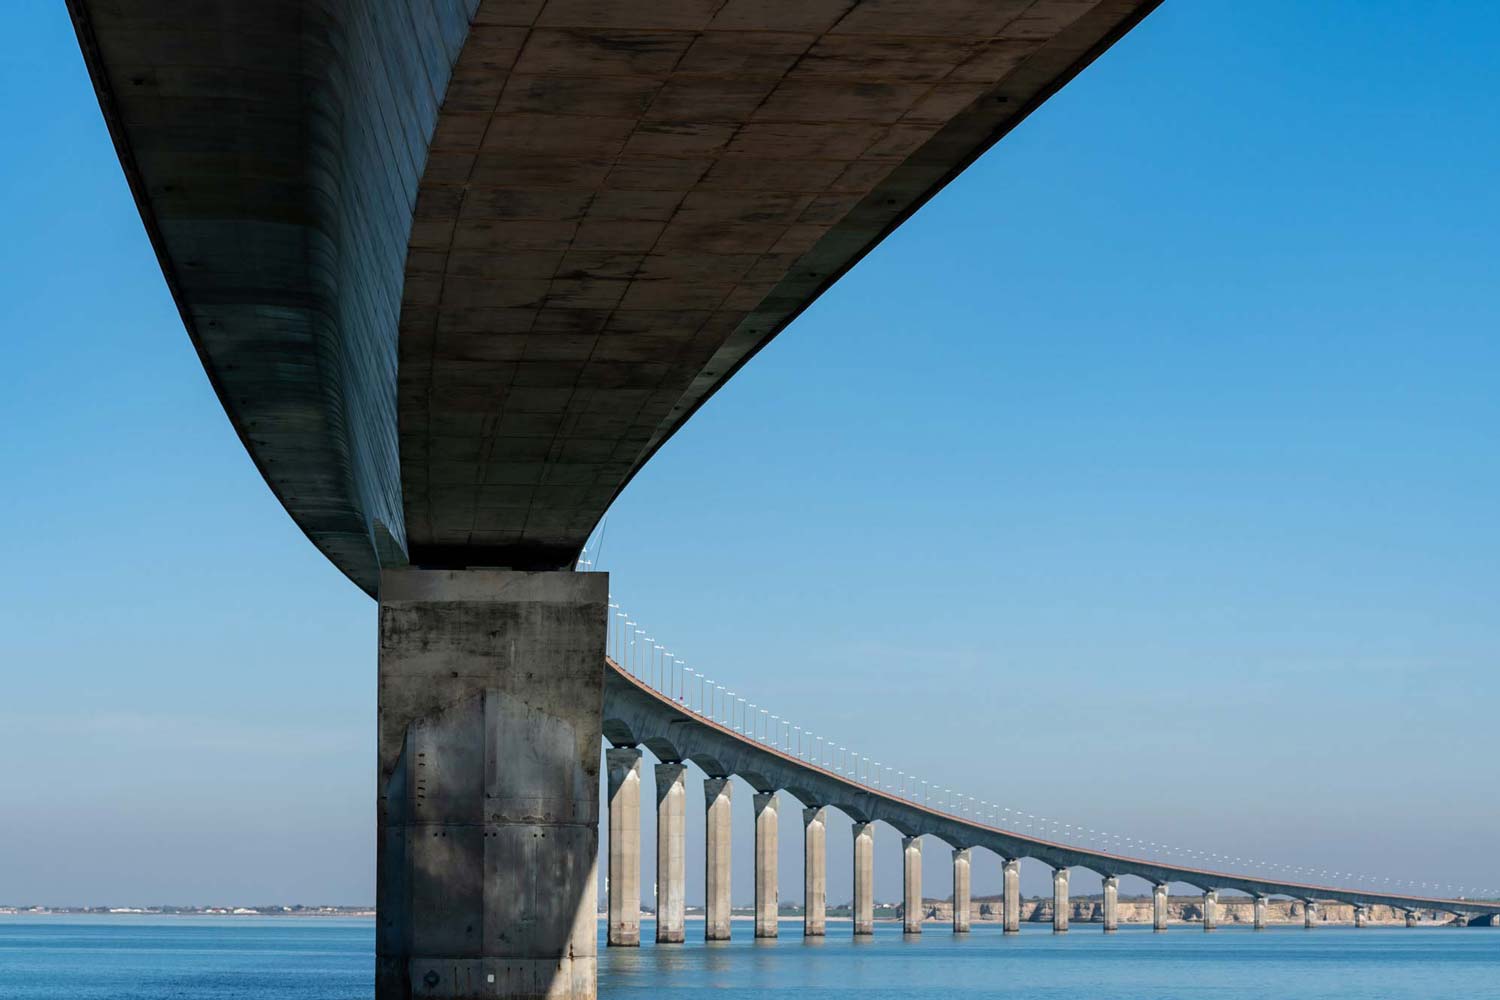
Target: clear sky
{"x": 1146, "y": 479}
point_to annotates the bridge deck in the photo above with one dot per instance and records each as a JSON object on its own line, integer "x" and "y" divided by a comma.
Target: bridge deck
{"x": 635, "y": 713}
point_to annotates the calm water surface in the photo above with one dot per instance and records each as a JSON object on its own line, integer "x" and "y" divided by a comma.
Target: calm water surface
{"x": 135, "y": 958}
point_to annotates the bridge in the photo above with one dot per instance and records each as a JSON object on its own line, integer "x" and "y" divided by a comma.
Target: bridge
{"x": 456, "y": 269}
{"x": 661, "y": 709}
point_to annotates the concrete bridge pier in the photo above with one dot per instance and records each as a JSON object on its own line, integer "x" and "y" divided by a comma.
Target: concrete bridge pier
{"x": 814, "y": 872}
{"x": 1260, "y": 913}
{"x": 960, "y": 890}
{"x": 767, "y": 886}
{"x": 864, "y": 879}
{"x": 1309, "y": 914}
{"x": 1111, "y": 903}
{"x": 1361, "y": 916}
{"x": 1060, "y": 904}
{"x": 1159, "y": 907}
{"x": 490, "y": 710}
{"x": 911, "y": 885}
{"x": 1210, "y": 909}
{"x": 716, "y": 878}
{"x": 1411, "y": 918}
{"x": 1011, "y": 909}
{"x": 671, "y": 852}
{"x": 623, "y": 771}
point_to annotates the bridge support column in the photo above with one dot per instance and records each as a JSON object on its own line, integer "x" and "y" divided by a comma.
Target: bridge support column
{"x": 1309, "y": 914}
{"x": 864, "y": 879}
{"x": 1260, "y": 913}
{"x": 1060, "y": 904}
{"x": 1210, "y": 909}
{"x": 1159, "y": 908}
{"x": 490, "y": 709}
{"x": 1361, "y": 916}
{"x": 767, "y": 851}
{"x": 1111, "y": 903}
{"x": 1411, "y": 918}
{"x": 671, "y": 852}
{"x": 814, "y": 872}
{"x": 1011, "y": 909}
{"x": 623, "y": 768}
{"x": 716, "y": 878}
{"x": 961, "y": 891}
{"x": 911, "y": 885}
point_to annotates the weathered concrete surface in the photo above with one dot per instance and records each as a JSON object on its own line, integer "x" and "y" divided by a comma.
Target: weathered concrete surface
{"x": 911, "y": 885}
{"x": 1012, "y": 887}
{"x": 637, "y": 714}
{"x": 864, "y": 879}
{"x": 1159, "y": 907}
{"x": 452, "y": 333}
{"x": 671, "y": 852}
{"x": 814, "y": 871}
{"x": 767, "y": 848}
{"x": 1060, "y": 908}
{"x": 961, "y": 907}
{"x": 1111, "y": 904}
{"x": 274, "y": 151}
{"x": 719, "y": 832}
{"x": 1210, "y": 910}
{"x": 490, "y": 698}
{"x": 623, "y": 780}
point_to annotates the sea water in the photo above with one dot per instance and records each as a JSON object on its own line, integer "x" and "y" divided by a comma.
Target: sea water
{"x": 314, "y": 958}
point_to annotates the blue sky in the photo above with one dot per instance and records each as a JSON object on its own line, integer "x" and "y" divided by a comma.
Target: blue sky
{"x": 1145, "y": 479}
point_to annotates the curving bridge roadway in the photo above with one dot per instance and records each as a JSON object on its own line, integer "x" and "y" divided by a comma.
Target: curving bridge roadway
{"x": 637, "y": 715}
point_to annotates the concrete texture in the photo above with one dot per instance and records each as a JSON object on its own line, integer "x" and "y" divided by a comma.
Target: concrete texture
{"x": 1310, "y": 915}
{"x": 961, "y": 890}
{"x": 1111, "y": 901}
{"x": 864, "y": 879}
{"x": 716, "y": 873}
{"x": 767, "y": 850}
{"x": 450, "y": 333}
{"x": 490, "y": 702}
{"x": 911, "y": 885}
{"x": 671, "y": 852}
{"x": 635, "y": 714}
{"x": 1210, "y": 910}
{"x": 623, "y": 780}
{"x": 1260, "y": 913}
{"x": 1159, "y": 907}
{"x": 1012, "y": 889}
{"x": 814, "y": 871}
{"x": 1361, "y": 916}
{"x": 1060, "y": 907}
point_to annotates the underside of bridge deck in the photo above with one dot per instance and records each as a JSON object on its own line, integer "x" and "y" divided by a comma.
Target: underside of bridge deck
{"x": 457, "y": 269}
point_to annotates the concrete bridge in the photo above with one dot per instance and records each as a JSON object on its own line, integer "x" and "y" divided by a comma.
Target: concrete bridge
{"x": 456, "y": 269}
{"x": 657, "y": 712}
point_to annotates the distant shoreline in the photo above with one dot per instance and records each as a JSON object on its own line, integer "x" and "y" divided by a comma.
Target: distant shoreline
{"x": 185, "y": 911}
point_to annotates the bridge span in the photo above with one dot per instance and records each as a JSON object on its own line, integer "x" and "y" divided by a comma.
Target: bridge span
{"x": 456, "y": 270}
{"x": 638, "y": 714}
